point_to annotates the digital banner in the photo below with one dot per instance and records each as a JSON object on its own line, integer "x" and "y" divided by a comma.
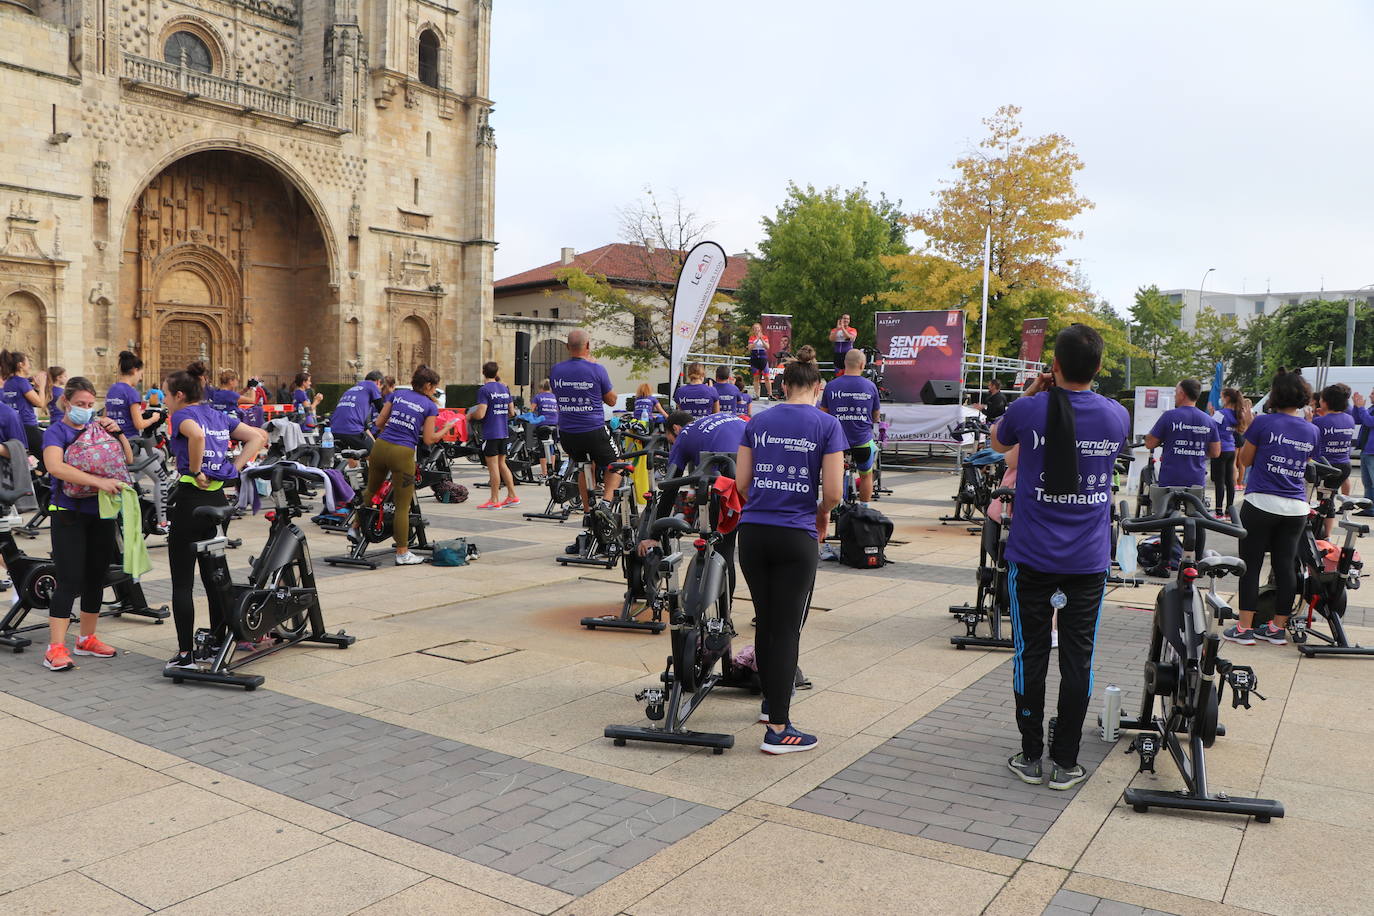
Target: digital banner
{"x": 1150, "y": 404}
{"x": 1033, "y": 339}
{"x": 696, "y": 287}
{"x": 778, "y": 330}
{"x": 919, "y": 347}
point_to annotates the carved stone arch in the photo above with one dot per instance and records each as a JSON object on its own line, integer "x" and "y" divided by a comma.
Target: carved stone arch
{"x": 197, "y": 298}
{"x": 428, "y": 53}
{"x": 328, "y": 226}
{"x": 24, "y": 323}
{"x": 413, "y": 345}
{"x": 202, "y": 29}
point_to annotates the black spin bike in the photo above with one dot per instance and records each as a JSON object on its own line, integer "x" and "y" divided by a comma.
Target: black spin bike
{"x": 1184, "y": 671}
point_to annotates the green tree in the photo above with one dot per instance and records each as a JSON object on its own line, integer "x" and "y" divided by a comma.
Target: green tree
{"x": 822, "y": 257}
{"x": 1155, "y": 320}
{"x": 662, "y": 234}
{"x": 1195, "y": 354}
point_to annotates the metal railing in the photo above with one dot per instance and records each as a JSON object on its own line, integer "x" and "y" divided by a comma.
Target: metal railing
{"x": 196, "y": 84}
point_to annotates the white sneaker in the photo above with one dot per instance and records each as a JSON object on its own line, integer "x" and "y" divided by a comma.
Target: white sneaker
{"x": 828, "y": 552}
{"x": 409, "y": 558}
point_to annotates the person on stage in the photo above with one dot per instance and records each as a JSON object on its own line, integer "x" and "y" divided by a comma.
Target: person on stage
{"x": 842, "y": 337}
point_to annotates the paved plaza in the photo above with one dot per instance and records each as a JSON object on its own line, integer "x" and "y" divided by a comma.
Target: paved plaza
{"x": 452, "y": 760}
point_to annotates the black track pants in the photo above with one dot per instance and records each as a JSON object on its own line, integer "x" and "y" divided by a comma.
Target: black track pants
{"x": 82, "y": 546}
{"x": 780, "y": 566}
{"x": 1224, "y": 481}
{"x": 1275, "y": 535}
{"x": 181, "y": 554}
{"x": 1032, "y": 617}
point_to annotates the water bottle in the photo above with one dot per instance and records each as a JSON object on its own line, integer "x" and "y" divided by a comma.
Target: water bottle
{"x": 327, "y": 448}
{"x": 1111, "y": 714}
{"x": 1126, "y": 556}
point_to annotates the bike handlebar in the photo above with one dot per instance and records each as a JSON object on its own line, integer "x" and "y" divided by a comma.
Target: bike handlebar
{"x": 727, "y": 469}
{"x": 1168, "y": 519}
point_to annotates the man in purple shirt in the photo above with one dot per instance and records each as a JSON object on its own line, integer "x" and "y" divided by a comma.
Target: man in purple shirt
{"x": 853, "y": 400}
{"x": 1059, "y": 548}
{"x": 582, "y": 386}
{"x": 1190, "y": 438}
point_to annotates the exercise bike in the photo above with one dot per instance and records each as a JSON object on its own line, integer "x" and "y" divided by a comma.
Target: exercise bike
{"x": 699, "y": 618}
{"x": 1184, "y": 671}
{"x": 979, "y": 474}
{"x": 1322, "y": 583}
{"x": 375, "y": 523}
{"x": 609, "y": 530}
{"x": 565, "y": 497}
{"x": 277, "y": 607}
{"x": 992, "y": 601}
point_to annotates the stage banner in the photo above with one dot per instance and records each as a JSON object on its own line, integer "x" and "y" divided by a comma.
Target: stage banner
{"x": 778, "y": 330}
{"x": 1033, "y": 339}
{"x": 696, "y": 287}
{"x": 926, "y": 423}
{"x": 918, "y": 347}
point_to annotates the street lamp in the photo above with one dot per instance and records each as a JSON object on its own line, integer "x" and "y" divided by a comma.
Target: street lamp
{"x": 1200, "y": 285}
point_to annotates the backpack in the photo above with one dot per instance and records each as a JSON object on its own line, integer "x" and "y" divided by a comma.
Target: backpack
{"x": 863, "y": 535}
{"x": 97, "y": 453}
{"x": 449, "y": 492}
{"x": 455, "y": 552}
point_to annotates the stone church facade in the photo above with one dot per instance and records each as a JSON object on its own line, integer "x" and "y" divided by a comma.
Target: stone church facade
{"x": 243, "y": 180}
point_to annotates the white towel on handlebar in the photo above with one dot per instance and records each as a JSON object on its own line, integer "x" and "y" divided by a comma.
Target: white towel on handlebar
{"x": 248, "y": 495}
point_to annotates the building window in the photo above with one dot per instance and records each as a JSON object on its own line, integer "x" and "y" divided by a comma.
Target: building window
{"x": 1259, "y": 306}
{"x": 1176, "y": 297}
{"x": 429, "y": 143}
{"x": 1293, "y": 301}
{"x": 642, "y": 332}
{"x": 183, "y": 46}
{"x": 724, "y": 332}
{"x": 553, "y": 313}
{"x": 429, "y": 58}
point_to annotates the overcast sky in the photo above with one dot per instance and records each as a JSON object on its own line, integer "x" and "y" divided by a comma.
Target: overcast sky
{"x": 1234, "y": 135}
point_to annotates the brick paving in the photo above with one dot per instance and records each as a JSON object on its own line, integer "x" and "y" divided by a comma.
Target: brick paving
{"x": 1072, "y": 903}
{"x": 549, "y": 826}
{"x": 945, "y": 777}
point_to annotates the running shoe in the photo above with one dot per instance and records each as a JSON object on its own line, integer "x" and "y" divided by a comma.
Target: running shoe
{"x": 91, "y": 645}
{"x": 512, "y": 501}
{"x": 1028, "y": 771}
{"x": 1063, "y": 778}
{"x": 1271, "y": 634}
{"x": 828, "y": 553}
{"x": 787, "y": 741}
{"x": 490, "y": 504}
{"x": 1239, "y": 636}
{"x": 181, "y": 660}
{"x": 409, "y": 558}
{"x": 57, "y": 659}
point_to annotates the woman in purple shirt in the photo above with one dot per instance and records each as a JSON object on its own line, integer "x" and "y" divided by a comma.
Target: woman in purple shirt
{"x": 123, "y": 403}
{"x": 406, "y": 420}
{"x": 494, "y": 408}
{"x": 696, "y": 397}
{"x": 83, "y": 543}
{"x": 201, "y": 437}
{"x": 20, "y": 394}
{"x": 1277, "y": 448}
{"x": 301, "y": 402}
{"x": 789, "y": 470}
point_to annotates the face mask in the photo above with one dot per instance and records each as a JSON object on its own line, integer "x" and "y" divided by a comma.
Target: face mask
{"x": 80, "y": 416}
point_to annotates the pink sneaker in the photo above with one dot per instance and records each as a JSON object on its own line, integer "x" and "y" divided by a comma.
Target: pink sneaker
{"x": 512, "y": 501}
{"x": 91, "y": 645}
{"x": 490, "y": 504}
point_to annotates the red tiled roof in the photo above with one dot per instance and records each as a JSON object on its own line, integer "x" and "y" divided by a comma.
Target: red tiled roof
{"x": 620, "y": 261}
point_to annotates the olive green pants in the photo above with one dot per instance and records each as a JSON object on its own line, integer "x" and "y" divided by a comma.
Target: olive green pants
{"x": 399, "y": 462}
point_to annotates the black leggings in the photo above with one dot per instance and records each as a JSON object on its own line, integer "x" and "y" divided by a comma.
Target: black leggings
{"x": 181, "y": 555}
{"x": 82, "y": 546}
{"x": 35, "y": 437}
{"x": 1277, "y": 536}
{"x": 780, "y": 566}
{"x": 1224, "y": 481}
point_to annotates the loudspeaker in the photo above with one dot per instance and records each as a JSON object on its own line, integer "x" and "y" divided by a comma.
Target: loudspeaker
{"x": 522, "y": 357}
{"x": 940, "y": 391}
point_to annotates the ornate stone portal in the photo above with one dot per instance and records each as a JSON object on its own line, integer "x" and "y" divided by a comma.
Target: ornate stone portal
{"x": 30, "y": 285}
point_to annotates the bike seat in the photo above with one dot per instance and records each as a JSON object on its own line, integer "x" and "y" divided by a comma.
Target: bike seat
{"x": 219, "y": 514}
{"x": 1352, "y": 502}
{"x": 1356, "y": 527}
{"x": 1220, "y": 566}
{"x": 620, "y": 467}
{"x": 670, "y": 524}
{"x": 352, "y": 453}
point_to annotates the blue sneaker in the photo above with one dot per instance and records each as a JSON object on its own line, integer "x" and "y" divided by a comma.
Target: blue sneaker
{"x": 787, "y": 741}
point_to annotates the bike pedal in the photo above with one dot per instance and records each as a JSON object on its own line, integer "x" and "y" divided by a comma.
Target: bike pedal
{"x": 1147, "y": 746}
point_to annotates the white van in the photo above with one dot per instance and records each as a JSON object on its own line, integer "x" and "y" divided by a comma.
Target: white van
{"x": 1359, "y": 378}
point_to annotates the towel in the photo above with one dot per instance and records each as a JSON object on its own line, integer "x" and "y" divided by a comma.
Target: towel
{"x": 136, "y": 562}
{"x": 1061, "y": 445}
{"x": 643, "y": 487}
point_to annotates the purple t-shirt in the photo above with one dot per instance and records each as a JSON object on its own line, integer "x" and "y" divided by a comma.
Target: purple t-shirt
{"x": 225, "y": 400}
{"x": 406, "y": 424}
{"x": 697, "y": 400}
{"x": 1225, "y": 419}
{"x": 120, "y": 402}
{"x": 216, "y": 426}
{"x": 581, "y": 388}
{"x": 644, "y": 408}
{"x": 742, "y": 405}
{"x": 63, "y": 435}
{"x": 1186, "y": 433}
{"x": 1335, "y": 433}
{"x": 788, "y": 442}
{"x": 55, "y": 413}
{"x": 1283, "y": 444}
{"x": 852, "y": 399}
{"x": 547, "y": 405}
{"x": 496, "y": 422}
{"x": 729, "y": 397}
{"x": 720, "y": 432}
{"x": 11, "y": 428}
{"x": 354, "y": 408}
{"x": 16, "y": 387}
{"x": 1068, "y": 534}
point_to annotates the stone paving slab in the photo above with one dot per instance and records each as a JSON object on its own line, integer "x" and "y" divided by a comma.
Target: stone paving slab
{"x": 549, "y": 826}
{"x": 1073, "y": 903}
{"x": 945, "y": 776}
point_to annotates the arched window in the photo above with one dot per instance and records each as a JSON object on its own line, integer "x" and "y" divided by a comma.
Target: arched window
{"x": 429, "y": 58}
{"x": 196, "y": 51}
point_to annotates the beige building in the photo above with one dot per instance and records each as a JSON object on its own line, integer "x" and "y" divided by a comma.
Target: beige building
{"x": 241, "y": 180}
{"x": 537, "y": 302}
